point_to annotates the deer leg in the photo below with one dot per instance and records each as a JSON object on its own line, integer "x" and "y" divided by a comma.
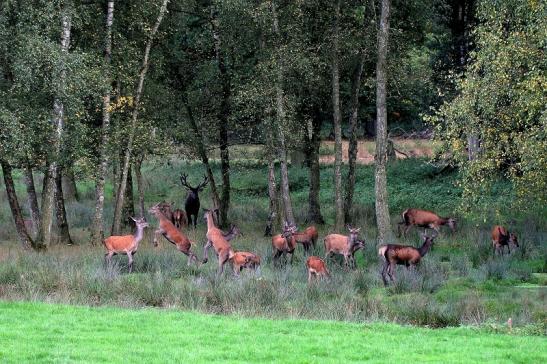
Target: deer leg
{"x": 206, "y": 251}
{"x": 156, "y": 235}
{"x": 130, "y": 261}
{"x": 406, "y": 229}
{"x": 390, "y": 271}
{"x": 310, "y": 274}
{"x": 108, "y": 258}
{"x": 222, "y": 259}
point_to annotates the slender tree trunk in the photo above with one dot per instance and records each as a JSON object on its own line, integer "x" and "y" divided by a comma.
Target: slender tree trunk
{"x": 128, "y": 210}
{"x": 32, "y": 197}
{"x": 24, "y": 237}
{"x": 273, "y": 216}
{"x": 338, "y": 198}
{"x": 140, "y": 184}
{"x": 133, "y": 125}
{"x": 69, "y": 185}
{"x": 98, "y": 220}
{"x": 222, "y": 117}
{"x": 352, "y": 151}
{"x": 202, "y": 153}
{"x": 48, "y": 193}
{"x": 382, "y": 208}
{"x": 280, "y": 113}
{"x": 314, "y": 212}
{"x": 62, "y": 222}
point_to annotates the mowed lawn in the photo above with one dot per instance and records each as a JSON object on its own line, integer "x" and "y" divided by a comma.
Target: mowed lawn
{"x": 38, "y": 332}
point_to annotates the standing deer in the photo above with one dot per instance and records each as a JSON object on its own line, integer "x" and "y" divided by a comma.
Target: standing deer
{"x": 172, "y": 234}
{"x": 284, "y": 243}
{"x": 192, "y": 199}
{"x": 216, "y": 239}
{"x": 307, "y": 238}
{"x": 179, "y": 219}
{"x": 344, "y": 245}
{"x": 127, "y": 244}
{"x": 425, "y": 219}
{"x": 502, "y": 238}
{"x": 394, "y": 254}
{"x": 316, "y": 268}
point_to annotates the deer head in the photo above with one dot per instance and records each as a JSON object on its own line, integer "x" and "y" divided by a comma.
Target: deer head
{"x": 193, "y": 190}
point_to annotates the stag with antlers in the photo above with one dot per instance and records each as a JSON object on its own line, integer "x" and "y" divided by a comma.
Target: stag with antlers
{"x": 192, "y": 199}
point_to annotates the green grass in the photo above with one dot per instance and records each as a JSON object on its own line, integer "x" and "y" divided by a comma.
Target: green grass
{"x": 37, "y": 332}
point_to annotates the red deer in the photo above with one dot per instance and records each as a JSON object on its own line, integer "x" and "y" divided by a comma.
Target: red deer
{"x": 394, "y": 254}
{"x": 316, "y": 268}
{"x": 247, "y": 260}
{"x": 222, "y": 247}
{"x": 166, "y": 210}
{"x": 179, "y": 219}
{"x": 425, "y": 219}
{"x": 127, "y": 244}
{"x": 344, "y": 245}
{"x": 307, "y": 238}
{"x": 502, "y": 238}
{"x": 284, "y": 243}
{"x": 192, "y": 199}
{"x": 172, "y": 234}
{"x": 232, "y": 233}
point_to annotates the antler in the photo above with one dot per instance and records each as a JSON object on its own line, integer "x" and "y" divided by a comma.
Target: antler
{"x": 183, "y": 181}
{"x": 204, "y": 183}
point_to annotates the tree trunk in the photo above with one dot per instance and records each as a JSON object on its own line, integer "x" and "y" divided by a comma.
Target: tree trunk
{"x": 338, "y": 199}
{"x": 140, "y": 184}
{"x": 314, "y": 212}
{"x": 280, "y": 114}
{"x": 48, "y": 193}
{"x": 382, "y": 208}
{"x": 22, "y": 232}
{"x": 69, "y": 185}
{"x": 352, "y": 151}
{"x": 222, "y": 117}
{"x": 62, "y": 222}
{"x": 98, "y": 220}
{"x": 202, "y": 152}
{"x": 273, "y": 215}
{"x": 32, "y": 197}
{"x": 133, "y": 125}
{"x": 128, "y": 210}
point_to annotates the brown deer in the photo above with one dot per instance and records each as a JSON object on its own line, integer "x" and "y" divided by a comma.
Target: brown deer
{"x": 307, "y": 238}
{"x": 344, "y": 245}
{"x": 247, "y": 260}
{"x": 215, "y": 239}
{"x": 409, "y": 256}
{"x": 127, "y": 244}
{"x": 172, "y": 234}
{"x": 425, "y": 219}
{"x": 316, "y": 268}
{"x": 179, "y": 219}
{"x": 502, "y": 238}
{"x": 284, "y": 243}
{"x": 166, "y": 210}
{"x": 191, "y": 205}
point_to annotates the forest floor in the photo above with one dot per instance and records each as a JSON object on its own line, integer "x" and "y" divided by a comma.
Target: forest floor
{"x": 37, "y": 332}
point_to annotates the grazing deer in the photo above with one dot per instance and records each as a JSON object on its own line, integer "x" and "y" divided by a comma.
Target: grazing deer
{"x": 215, "y": 239}
{"x": 284, "y": 243}
{"x": 127, "y": 244}
{"x": 344, "y": 245}
{"x": 192, "y": 199}
{"x": 502, "y": 238}
{"x": 247, "y": 260}
{"x": 316, "y": 268}
{"x": 232, "y": 233}
{"x": 172, "y": 234}
{"x": 425, "y": 219}
{"x": 179, "y": 219}
{"x": 307, "y": 238}
{"x": 394, "y": 254}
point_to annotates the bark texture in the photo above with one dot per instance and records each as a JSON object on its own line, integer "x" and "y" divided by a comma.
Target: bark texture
{"x": 134, "y": 117}
{"x": 382, "y": 209}
{"x": 337, "y": 121}
{"x": 140, "y": 184}
{"x": 314, "y": 208}
{"x": 60, "y": 210}
{"x": 97, "y": 233}
{"x": 32, "y": 197}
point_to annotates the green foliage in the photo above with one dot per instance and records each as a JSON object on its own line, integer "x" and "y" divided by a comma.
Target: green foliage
{"x": 501, "y": 102}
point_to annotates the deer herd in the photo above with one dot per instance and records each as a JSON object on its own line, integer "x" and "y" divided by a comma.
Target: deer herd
{"x": 172, "y": 223}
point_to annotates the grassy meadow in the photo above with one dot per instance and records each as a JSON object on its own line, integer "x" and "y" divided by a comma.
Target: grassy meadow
{"x": 459, "y": 282}
{"x": 58, "y": 333}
